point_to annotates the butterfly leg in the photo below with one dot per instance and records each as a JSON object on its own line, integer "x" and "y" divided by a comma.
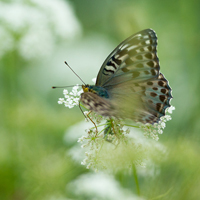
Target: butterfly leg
{"x": 112, "y": 125}
{"x": 92, "y": 122}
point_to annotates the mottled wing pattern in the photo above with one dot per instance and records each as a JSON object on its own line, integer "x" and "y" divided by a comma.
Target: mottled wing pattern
{"x": 135, "y": 55}
{"x": 132, "y": 73}
{"x": 155, "y": 96}
{"x": 98, "y": 104}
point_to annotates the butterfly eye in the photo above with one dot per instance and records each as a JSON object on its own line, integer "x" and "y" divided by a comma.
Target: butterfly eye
{"x": 85, "y": 88}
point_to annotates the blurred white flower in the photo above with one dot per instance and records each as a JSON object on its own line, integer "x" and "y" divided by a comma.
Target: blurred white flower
{"x": 61, "y": 100}
{"x": 94, "y": 80}
{"x": 99, "y": 154}
{"x": 6, "y": 40}
{"x": 34, "y": 27}
{"x": 100, "y": 186}
{"x": 170, "y": 109}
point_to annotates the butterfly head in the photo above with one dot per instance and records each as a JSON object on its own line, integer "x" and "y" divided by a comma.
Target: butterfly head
{"x": 86, "y": 88}
{"x": 100, "y": 91}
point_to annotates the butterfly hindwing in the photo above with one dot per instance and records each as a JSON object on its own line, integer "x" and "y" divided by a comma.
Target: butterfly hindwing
{"x": 156, "y": 98}
{"x": 98, "y": 104}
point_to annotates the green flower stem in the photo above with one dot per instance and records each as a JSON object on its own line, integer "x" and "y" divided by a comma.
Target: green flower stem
{"x": 136, "y": 179}
{"x": 131, "y": 126}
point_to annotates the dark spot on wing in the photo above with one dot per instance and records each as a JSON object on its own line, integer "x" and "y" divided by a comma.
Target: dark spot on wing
{"x": 149, "y": 83}
{"x": 162, "y": 98}
{"x": 128, "y": 61}
{"x": 149, "y": 48}
{"x": 125, "y": 69}
{"x": 111, "y": 64}
{"x": 141, "y": 49}
{"x": 153, "y": 94}
{"x": 122, "y": 52}
{"x": 132, "y": 52}
{"x": 143, "y": 43}
{"x": 153, "y": 72}
{"x": 163, "y": 91}
{"x": 150, "y": 64}
{"x": 146, "y": 72}
{"x": 108, "y": 70}
{"x": 117, "y": 61}
{"x": 148, "y": 55}
{"x": 161, "y": 83}
{"x": 139, "y": 57}
{"x": 135, "y": 74}
{"x": 139, "y": 65}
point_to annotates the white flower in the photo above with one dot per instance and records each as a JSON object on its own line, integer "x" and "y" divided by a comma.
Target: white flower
{"x": 84, "y": 162}
{"x": 100, "y": 186}
{"x": 61, "y": 101}
{"x": 65, "y": 92}
{"x": 170, "y": 109}
{"x": 163, "y": 125}
{"x": 37, "y": 24}
{"x": 168, "y": 117}
{"x": 71, "y": 98}
{"x": 94, "y": 80}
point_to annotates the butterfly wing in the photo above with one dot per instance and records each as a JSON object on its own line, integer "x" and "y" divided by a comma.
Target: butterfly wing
{"x": 135, "y": 54}
{"x": 131, "y": 75}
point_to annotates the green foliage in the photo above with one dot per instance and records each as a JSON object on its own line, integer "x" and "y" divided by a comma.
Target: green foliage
{"x": 34, "y": 160}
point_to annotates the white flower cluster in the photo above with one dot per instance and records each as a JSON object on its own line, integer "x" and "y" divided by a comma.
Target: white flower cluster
{"x": 154, "y": 130}
{"x": 71, "y": 98}
{"x": 115, "y": 147}
{"x": 110, "y": 134}
{"x": 33, "y": 27}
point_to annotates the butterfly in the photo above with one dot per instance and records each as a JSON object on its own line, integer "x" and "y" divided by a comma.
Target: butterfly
{"x": 129, "y": 84}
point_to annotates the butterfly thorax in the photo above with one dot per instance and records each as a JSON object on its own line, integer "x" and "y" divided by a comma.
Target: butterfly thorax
{"x": 100, "y": 91}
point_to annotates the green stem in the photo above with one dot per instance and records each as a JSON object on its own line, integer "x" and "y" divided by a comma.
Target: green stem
{"x": 131, "y": 126}
{"x": 136, "y": 179}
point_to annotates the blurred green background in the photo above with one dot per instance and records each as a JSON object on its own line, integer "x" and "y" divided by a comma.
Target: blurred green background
{"x": 36, "y": 37}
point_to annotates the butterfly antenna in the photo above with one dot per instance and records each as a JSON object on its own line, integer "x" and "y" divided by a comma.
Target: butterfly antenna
{"x": 75, "y": 73}
{"x": 54, "y": 87}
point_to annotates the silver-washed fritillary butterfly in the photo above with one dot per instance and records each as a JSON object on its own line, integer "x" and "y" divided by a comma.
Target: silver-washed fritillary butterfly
{"x": 129, "y": 83}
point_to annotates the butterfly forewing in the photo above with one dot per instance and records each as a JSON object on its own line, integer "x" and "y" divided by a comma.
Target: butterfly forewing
{"x": 134, "y": 58}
